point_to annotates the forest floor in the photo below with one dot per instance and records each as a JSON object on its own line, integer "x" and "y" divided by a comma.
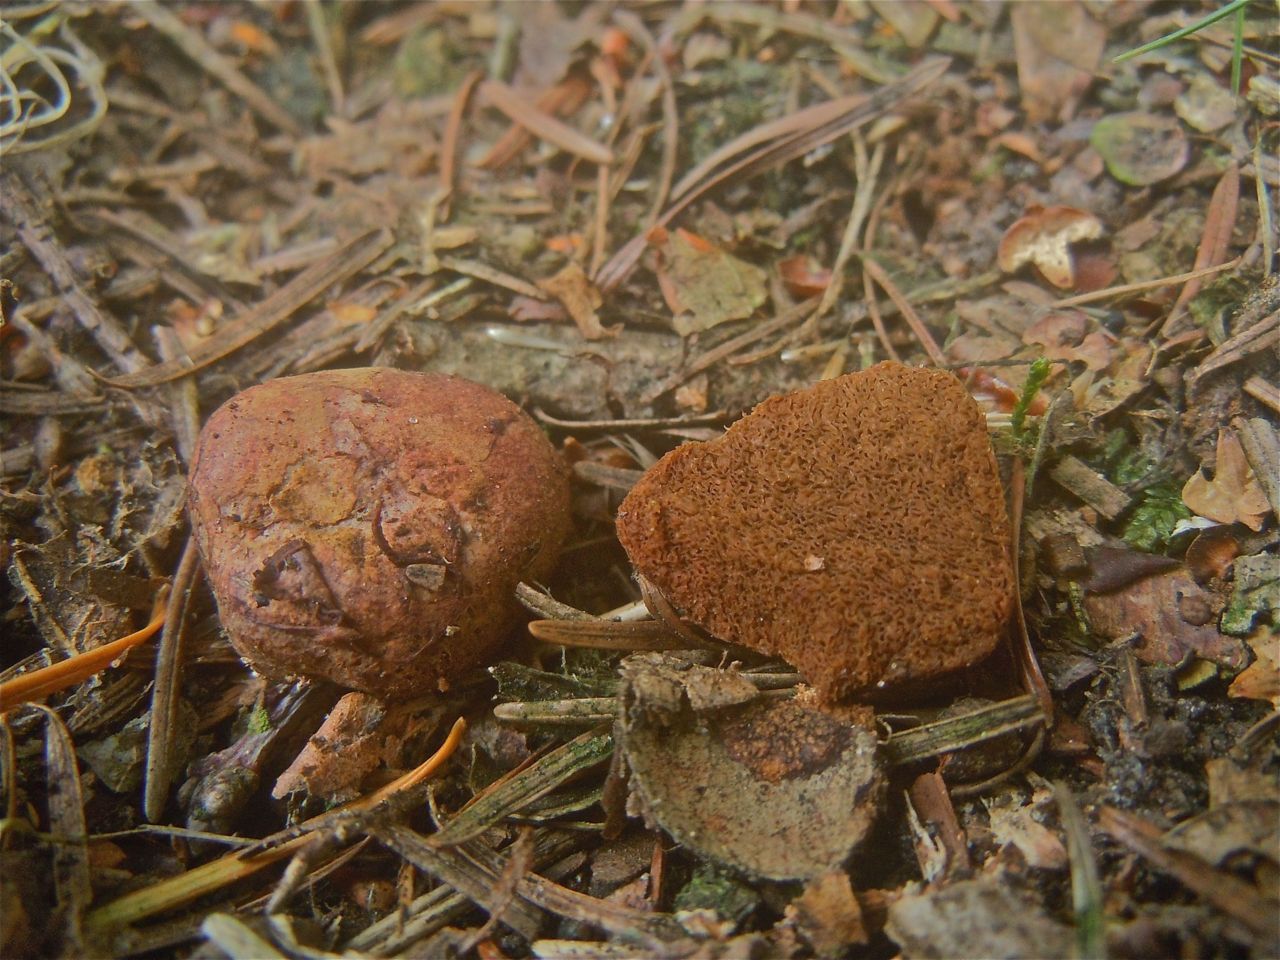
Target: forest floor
{"x": 638, "y": 221}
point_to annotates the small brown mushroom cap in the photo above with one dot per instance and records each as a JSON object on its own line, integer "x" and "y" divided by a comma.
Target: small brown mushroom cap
{"x": 1043, "y": 236}
{"x": 369, "y": 526}
{"x": 856, "y": 528}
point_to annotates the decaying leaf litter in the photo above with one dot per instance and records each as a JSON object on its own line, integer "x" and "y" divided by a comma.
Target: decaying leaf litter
{"x": 638, "y": 223}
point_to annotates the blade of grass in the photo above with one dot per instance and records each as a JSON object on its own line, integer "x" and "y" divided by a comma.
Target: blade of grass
{"x": 1234, "y": 7}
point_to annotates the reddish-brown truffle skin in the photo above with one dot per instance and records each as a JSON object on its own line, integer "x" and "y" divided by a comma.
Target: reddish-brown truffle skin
{"x": 369, "y": 526}
{"x": 856, "y": 528}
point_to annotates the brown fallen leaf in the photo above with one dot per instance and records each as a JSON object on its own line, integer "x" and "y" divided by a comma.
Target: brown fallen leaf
{"x": 1066, "y": 336}
{"x": 1043, "y": 237}
{"x": 1153, "y": 609}
{"x": 803, "y": 276}
{"x": 703, "y": 284}
{"x": 1234, "y": 494}
{"x": 574, "y": 289}
{"x": 1261, "y": 679}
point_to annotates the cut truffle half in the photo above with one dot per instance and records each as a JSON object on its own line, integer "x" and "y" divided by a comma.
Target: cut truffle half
{"x": 856, "y": 528}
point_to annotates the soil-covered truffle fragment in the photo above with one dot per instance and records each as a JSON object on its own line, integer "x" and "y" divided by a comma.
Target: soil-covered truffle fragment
{"x": 856, "y": 528}
{"x": 369, "y": 526}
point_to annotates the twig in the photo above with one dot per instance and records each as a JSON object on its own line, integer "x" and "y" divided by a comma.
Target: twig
{"x": 1263, "y": 335}
{"x": 867, "y": 172}
{"x": 600, "y": 236}
{"x": 767, "y": 146}
{"x": 1220, "y": 221}
{"x": 908, "y": 312}
{"x": 1086, "y": 888}
{"x": 969, "y": 729}
{"x": 504, "y": 891}
{"x": 1125, "y": 289}
{"x": 1266, "y": 225}
{"x": 638, "y": 32}
{"x": 184, "y": 397}
{"x": 499, "y": 278}
{"x": 328, "y": 62}
{"x": 71, "y": 874}
{"x": 1028, "y": 664}
{"x": 268, "y": 314}
{"x": 22, "y": 209}
{"x": 609, "y": 634}
{"x": 638, "y": 423}
{"x": 713, "y": 356}
{"x": 1225, "y": 891}
{"x": 1263, "y": 391}
{"x": 449, "y": 146}
{"x": 163, "y": 728}
{"x": 603, "y": 475}
{"x": 542, "y": 124}
{"x": 513, "y": 792}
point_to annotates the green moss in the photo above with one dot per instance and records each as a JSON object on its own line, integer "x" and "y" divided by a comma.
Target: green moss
{"x": 711, "y": 888}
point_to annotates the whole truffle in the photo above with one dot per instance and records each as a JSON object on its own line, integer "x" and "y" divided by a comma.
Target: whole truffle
{"x": 856, "y": 528}
{"x": 369, "y": 526}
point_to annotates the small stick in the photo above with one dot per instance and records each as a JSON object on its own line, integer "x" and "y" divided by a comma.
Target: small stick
{"x": 609, "y": 634}
{"x": 269, "y": 313}
{"x": 542, "y": 124}
{"x": 452, "y": 135}
{"x": 1127, "y": 288}
{"x": 1263, "y": 391}
{"x": 600, "y": 238}
{"x": 908, "y": 312}
{"x": 328, "y": 62}
{"x": 649, "y": 423}
{"x": 162, "y": 731}
{"x": 1225, "y": 891}
{"x": 636, "y": 29}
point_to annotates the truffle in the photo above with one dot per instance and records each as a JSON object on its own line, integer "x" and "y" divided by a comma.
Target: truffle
{"x": 369, "y": 526}
{"x": 856, "y": 528}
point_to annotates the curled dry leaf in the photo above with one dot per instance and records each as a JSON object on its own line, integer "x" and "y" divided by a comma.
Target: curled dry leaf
{"x": 1234, "y": 494}
{"x": 1261, "y": 679}
{"x": 765, "y": 786}
{"x": 803, "y": 277}
{"x": 581, "y": 299}
{"x": 1043, "y": 237}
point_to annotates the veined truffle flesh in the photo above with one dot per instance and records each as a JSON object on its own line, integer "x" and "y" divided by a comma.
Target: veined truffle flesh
{"x": 369, "y": 526}
{"x": 856, "y": 528}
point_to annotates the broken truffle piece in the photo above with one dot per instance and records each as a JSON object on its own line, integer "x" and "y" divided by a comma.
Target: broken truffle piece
{"x": 369, "y": 526}
{"x": 856, "y": 528}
